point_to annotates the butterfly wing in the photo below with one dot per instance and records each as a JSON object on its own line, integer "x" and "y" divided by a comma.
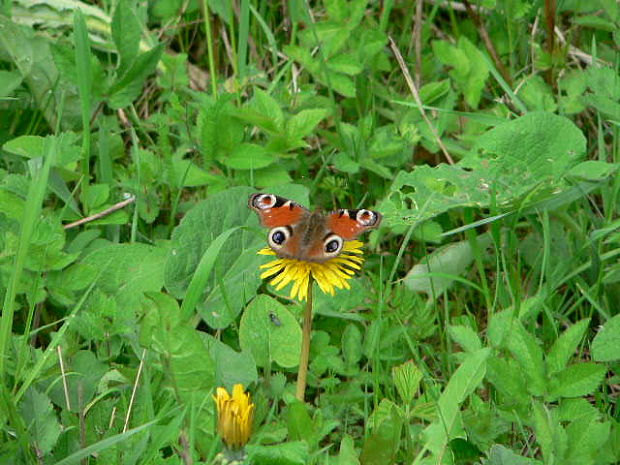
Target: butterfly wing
{"x": 349, "y": 224}
{"x": 274, "y": 211}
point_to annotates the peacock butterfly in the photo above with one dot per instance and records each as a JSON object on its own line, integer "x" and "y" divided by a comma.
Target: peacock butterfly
{"x": 296, "y": 232}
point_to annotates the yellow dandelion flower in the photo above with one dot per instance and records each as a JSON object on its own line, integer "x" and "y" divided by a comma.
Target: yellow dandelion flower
{"x": 329, "y": 275}
{"x": 234, "y": 416}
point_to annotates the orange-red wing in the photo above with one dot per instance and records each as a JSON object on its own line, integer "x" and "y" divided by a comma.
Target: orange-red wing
{"x": 275, "y": 211}
{"x": 349, "y": 224}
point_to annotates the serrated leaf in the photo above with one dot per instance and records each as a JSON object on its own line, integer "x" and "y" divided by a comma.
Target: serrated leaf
{"x": 606, "y": 344}
{"x": 577, "y": 380}
{"x": 40, "y": 419}
{"x": 465, "y": 337}
{"x": 248, "y": 157}
{"x": 526, "y": 350}
{"x": 565, "y": 346}
{"x": 500, "y": 455}
{"x": 304, "y": 122}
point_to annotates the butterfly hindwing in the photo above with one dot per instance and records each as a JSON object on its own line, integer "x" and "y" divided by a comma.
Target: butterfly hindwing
{"x": 349, "y": 224}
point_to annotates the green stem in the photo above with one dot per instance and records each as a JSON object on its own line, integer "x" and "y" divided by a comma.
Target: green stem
{"x": 302, "y": 373}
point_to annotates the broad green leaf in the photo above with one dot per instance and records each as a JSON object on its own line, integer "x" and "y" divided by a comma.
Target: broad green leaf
{"x": 462, "y": 383}
{"x": 248, "y": 157}
{"x": 500, "y": 455}
{"x": 127, "y": 88}
{"x": 127, "y": 271}
{"x": 190, "y": 366}
{"x": 577, "y": 380}
{"x": 266, "y": 340}
{"x": 235, "y": 276}
{"x": 382, "y": 445}
{"x": 347, "y": 454}
{"x": 126, "y": 30}
{"x": 40, "y": 418}
{"x": 288, "y": 453}
{"x": 593, "y": 170}
{"x": 565, "y": 346}
{"x": 521, "y": 160}
{"x": 345, "y": 63}
{"x": 443, "y": 265}
{"x": 86, "y": 371}
{"x": 9, "y": 81}
{"x": 606, "y": 344}
{"x": 231, "y": 367}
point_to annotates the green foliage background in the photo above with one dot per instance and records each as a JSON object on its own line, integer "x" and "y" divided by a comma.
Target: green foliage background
{"x": 484, "y": 328}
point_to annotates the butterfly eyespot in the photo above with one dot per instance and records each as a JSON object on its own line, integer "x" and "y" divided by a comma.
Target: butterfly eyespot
{"x": 278, "y": 236}
{"x": 263, "y": 201}
{"x": 333, "y": 245}
{"x": 366, "y": 217}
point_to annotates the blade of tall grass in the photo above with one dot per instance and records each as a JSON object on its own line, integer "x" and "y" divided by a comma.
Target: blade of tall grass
{"x": 82, "y": 62}
{"x": 202, "y": 273}
{"x": 242, "y": 45}
{"x": 34, "y": 200}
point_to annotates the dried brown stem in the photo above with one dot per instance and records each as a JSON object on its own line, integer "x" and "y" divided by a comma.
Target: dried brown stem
{"x": 105, "y": 212}
{"x": 418, "y": 100}
{"x": 484, "y": 35}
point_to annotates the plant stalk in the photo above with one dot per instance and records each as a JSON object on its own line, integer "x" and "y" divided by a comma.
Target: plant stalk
{"x": 302, "y": 373}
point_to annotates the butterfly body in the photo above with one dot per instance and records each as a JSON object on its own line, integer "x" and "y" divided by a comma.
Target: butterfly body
{"x": 300, "y": 234}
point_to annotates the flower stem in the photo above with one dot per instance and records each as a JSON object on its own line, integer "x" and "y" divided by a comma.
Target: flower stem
{"x": 302, "y": 373}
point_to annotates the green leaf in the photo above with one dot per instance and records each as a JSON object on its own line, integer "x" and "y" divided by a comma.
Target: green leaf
{"x": 231, "y": 367}
{"x": 606, "y": 344}
{"x": 382, "y": 445}
{"x": 462, "y": 383}
{"x": 248, "y": 157}
{"x": 235, "y": 276}
{"x": 345, "y": 63}
{"x": 585, "y": 438}
{"x": 40, "y": 418}
{"x": 288, "y": 453}
{"x": 508, "y": 378}
{"x": 304, "y": 122}
{"x": 126, "y": 89}
{"x": 191, "y": 367}
{"x": 126, "y": 30}
{"x": 437, "y": 271}
{"x": 267, "y": 341}
{"x": 86, "y": 373}
{"x": 347, "y": 454}
{"x": 526, "y": 350}
{"x": 351, "y": 345}
{"x": 565, "y": 346}
{"x": 550, "y": 435}
{"x": 500, "y": 455}
{"x": 9, "y": 81}
{"x": 127, "y": 271}
{"x": 593, "y": 170}
{"x": 510, "y": 163}
{"x": 577, "y": 380}
{"x": 466, "y": 337}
